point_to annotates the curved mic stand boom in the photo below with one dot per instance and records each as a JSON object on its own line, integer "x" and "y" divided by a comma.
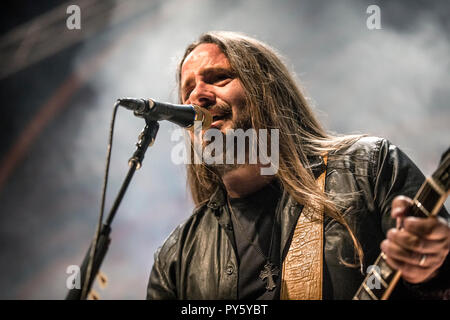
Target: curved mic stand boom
{"x": 146, "y": 139}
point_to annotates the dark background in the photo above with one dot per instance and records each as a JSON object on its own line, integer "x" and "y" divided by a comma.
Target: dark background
{"x": 58, "y": 87}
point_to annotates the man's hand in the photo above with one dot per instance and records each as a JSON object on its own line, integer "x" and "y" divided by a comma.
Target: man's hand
{"x": 419, "y": 247}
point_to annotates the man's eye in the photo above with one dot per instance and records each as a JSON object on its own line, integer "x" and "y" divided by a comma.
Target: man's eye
{"x": 222, "y": 77}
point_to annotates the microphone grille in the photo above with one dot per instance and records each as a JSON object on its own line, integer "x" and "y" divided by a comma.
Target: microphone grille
{"x": 203, "y": 115}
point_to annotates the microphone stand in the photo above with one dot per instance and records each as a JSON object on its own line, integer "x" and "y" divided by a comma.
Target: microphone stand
{"x": 146, "y": 139}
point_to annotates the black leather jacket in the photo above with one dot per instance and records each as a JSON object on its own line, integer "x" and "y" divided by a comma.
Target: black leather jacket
{"x": 198, "y": 260}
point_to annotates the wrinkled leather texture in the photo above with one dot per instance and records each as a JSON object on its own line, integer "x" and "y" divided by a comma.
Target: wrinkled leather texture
{"x": 199, "y": 260}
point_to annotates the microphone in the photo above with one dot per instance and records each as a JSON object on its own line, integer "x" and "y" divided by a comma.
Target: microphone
{"x": 183, "y": 115}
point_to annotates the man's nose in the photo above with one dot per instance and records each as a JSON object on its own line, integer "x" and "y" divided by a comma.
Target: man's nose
{"x": 202, "y": 95}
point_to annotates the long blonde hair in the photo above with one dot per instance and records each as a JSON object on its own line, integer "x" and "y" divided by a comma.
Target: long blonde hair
{"x": 274, "y": 101}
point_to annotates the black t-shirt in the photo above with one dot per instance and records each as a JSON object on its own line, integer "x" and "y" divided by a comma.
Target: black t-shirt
{"x": 258, "y": 223}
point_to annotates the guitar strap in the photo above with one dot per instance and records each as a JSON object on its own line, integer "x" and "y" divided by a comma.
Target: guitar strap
{"x": 303, "y": 266}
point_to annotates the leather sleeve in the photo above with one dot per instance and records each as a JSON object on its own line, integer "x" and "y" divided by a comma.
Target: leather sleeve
{"x": 395, "y": 174}
{"x": 161, "y": 285}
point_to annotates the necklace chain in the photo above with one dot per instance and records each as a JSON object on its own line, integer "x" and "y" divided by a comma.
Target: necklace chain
{"x": 255, "y": 246}
{"x": 270, "y": 270}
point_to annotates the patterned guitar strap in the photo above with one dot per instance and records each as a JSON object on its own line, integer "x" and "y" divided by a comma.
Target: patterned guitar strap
{"x": 302, "y": 268}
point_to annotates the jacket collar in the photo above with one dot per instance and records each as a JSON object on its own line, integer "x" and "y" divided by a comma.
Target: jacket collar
{"x": 288, "y": 209}
{"x": 217, "y": 199}
{"x": 288, "y": 212}
{"x": 217, "y": 204}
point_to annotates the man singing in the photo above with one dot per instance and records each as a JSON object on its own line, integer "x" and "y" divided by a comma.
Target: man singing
{"x": 311, "y": 229}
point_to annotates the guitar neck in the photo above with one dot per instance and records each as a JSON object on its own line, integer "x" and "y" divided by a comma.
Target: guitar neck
{"x": 381, "y": 278}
